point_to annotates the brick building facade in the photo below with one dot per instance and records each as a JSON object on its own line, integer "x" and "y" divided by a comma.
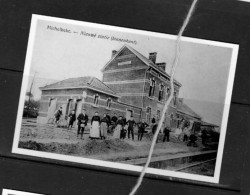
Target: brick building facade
{"x": 142, "y": 82}
{"x": 83, "y": 92}
{"x": 132, "y": 85}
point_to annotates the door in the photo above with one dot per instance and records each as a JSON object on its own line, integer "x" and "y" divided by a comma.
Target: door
{"x": 128, "y": 114}
{"x": 78, "y": 110}
{"x": 78, "y": 107}
{"x": 51, "y": 109}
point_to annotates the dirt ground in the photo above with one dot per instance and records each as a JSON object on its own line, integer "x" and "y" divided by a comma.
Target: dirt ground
{"x": 50, "y": 138}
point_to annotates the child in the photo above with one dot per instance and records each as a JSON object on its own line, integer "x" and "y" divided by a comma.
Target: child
{"x": 58, "y": 114}
{"x": 72, "y": 118}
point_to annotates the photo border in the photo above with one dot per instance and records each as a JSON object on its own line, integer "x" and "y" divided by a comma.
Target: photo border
{"x": 116, "y": 165}
{"x": 16, "y": 192}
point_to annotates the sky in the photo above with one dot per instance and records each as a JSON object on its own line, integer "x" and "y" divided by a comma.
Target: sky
{"x": 203, "y": 68}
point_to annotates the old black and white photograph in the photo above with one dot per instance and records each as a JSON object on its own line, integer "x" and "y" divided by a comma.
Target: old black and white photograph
{"x": 94, "y": 94}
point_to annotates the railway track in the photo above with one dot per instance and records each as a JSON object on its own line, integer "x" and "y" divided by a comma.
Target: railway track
{"x": 178, "y": 162}
{"x": 193, "y": 165}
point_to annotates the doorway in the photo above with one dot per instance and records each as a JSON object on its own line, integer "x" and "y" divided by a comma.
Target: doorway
{"x": 51, "y": 109}
{"x": 129, "y": 113}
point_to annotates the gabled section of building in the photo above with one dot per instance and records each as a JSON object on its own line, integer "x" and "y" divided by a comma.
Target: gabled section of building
{"x": 81, "y": 83}
{"x": 140, "y": 81}
{"x": 82, "y": 92}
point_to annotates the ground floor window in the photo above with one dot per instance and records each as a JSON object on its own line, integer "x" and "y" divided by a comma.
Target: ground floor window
{"x": 158, "y": 115}
{"x": 69, "y": 106}
{"x": 172, "y": 120}
{"x": 148, "y": 115}
{"x": 108, "y": 103}
{"x": 96, "y": 99}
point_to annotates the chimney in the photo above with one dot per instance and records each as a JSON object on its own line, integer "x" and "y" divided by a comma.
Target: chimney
{"x": 152, "y": 56}
{"x": 113, "y": 53}
{"x": 162, "y": 65}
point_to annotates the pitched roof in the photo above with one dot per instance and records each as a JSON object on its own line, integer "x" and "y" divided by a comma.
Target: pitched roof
{"x": 182, "y": 107}
{"x": 145, "y": 60}
{"x": 203, "y": 123}
{"x": 80, "y": 82}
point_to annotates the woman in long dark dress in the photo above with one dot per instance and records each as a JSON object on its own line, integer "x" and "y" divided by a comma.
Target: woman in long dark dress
{"x": 119, "y": 126}
{"x": 104, "y": 126}
{"x": 95, "y": 126}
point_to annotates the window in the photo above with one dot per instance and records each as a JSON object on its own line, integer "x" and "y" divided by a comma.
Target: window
{"x": 167, "y": 93}
{"x": 152, "y": 87}
{"x": 175, "y": 97}
{"x": 50, "y": 99}
{"x": 108, "y": 103}
{"x": 158, "y": 115}
{"x": 171, "y": 120}
{"x": 96, "y": 99}
{"x": 124, "y": 63}
{"x": 161, "y": 89}
{"x": 69, "y": 106}
{"x": 148, "y": 115}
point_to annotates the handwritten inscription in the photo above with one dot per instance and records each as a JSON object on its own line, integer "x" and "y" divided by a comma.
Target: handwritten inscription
{"x": 91, "y": 35}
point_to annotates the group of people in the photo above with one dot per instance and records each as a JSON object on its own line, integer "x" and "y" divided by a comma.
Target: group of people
{"x": 166, "y": 130}
{"x": 119, "y": 126}
{"x": 122, "y": 128}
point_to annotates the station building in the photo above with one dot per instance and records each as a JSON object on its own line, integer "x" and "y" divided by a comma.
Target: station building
{"x": 132, "y": 85}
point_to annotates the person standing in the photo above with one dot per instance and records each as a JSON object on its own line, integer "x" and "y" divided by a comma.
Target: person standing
{"x": 131, "y": 124}
{"x": 118, "y": 128}
{"x": 113, "y": 123}
{"x": 192, "y": 140}
{"x": 153, "y": 121}
{"x": 186, "y": 133}
{"x": 109, "y": 119}
{"x": 154, "y": 128}
{"x": 204, "y": 137}
{"x": 114, "y": 118}
{"x": 166, "y": 133}
{"x": 178, "y": 132}
{"x": 141, "y": 129}
{"x": 58, "y": 114}
{"x": 95, "y": 126}
{"x": 104, "y": 126}
{"x": 82, "y": 122}
{"x": 72, "y": 118}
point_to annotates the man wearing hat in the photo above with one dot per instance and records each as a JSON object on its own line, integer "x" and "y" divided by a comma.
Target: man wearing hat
{"x": 82, "y": 122}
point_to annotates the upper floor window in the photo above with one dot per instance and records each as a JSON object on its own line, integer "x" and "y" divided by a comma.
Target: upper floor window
{"x": 167, "y": 93}
{"x": 108, "y": 103}
{"x": 175, "y": 97}
{"x": 161, "y": 89}
{"x": 152, "y": 86}
{"x": 124, "y": 63}
{"x": 96, "y": 99}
